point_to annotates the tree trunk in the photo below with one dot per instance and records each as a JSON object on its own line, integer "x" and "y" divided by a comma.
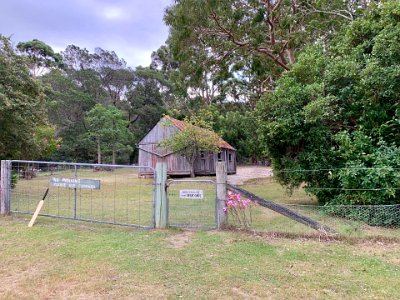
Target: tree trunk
{"x": 113, "y": 154}
{"x": 290, "y": 55}
{"x": 98, "y": 151}
{"x": 192, "y": 161}
{"x": 192, "y": 175}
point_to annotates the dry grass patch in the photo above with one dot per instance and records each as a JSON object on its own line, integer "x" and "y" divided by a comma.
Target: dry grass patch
{"x": 181, "y": 239}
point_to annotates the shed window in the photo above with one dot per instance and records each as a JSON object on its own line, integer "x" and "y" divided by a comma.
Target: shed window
{"x": 230, "y": 157}
{"x": 202, "y": 155}
{"x": 219, "y": 156}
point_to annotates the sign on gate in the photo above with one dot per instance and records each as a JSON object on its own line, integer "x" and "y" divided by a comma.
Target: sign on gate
{"x": 191, "y": 194}
{"x": 75, "y": 183}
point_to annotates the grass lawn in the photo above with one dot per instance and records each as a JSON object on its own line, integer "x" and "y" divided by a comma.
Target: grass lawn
{"x": 59, "y": 259}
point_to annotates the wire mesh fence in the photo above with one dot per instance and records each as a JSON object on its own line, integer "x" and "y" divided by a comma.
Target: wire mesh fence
{"x": 349, "y": 217}
{"x": 191, "y": 203}
{"x": 119, "y": 195}
{"x": 113, "y": 194}
{"x": 346, "y": 220}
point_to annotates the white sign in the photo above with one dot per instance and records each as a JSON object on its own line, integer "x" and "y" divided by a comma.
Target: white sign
{"x": 191, "y": 194}
{"x": 75, "y": 183}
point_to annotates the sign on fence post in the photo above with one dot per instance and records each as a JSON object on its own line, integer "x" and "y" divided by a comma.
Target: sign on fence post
{"x": 5, "y": 187}
{"x": 191, "y": 194}
{"x": 221, "y": 194}
{"x": 161, "y": 205}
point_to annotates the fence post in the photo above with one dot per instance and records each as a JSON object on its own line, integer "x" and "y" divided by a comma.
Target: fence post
{"x": 221, "y": 194}
{"x": 5, "y": 187}
{"x": 161, "y": 206}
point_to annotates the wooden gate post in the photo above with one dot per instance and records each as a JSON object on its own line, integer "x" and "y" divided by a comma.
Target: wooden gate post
{"x": 161, "y": 203}
{"x": 221, "y": 194}
{"x": 5, "y": 187}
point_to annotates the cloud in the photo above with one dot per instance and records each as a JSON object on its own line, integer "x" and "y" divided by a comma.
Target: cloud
{"x": 132, "y": 28}
{"x": 114, "y": 13}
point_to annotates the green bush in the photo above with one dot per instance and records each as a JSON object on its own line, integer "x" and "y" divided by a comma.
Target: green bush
{"x": 337, "y": 111}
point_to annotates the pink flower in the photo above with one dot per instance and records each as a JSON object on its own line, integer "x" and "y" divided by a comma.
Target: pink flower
{"x": 235, "y": 201}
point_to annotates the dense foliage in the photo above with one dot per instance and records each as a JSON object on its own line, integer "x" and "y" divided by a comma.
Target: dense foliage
{"x": 227, "y": 54}
{"x": 107, "y": 126}
{"x": 24, "y": 130}
{"x": 103, "y": 79}
{"x": 340, "y": 109}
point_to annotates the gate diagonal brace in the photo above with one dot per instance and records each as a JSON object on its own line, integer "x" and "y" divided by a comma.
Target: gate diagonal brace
{"x": 282, "y": 210}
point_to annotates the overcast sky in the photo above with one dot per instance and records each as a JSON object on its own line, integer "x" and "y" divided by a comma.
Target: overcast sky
{"x": 132, "y": 28}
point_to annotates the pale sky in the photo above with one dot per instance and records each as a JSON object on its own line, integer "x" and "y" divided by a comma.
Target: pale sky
{"x": 132, "y": 28}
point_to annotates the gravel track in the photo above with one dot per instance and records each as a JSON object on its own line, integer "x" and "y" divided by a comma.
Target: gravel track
{"x": 244, "y": 173}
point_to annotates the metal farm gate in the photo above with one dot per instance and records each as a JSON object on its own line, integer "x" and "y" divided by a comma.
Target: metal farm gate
{"x": 111, "y": 194}
{"x": 191, "y": 203}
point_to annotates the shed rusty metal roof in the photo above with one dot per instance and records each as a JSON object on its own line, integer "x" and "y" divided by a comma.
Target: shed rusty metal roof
{"x": 181, "y": 125}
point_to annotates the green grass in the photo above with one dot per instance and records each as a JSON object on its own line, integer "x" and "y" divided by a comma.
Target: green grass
{"x": 57, "y": 259}
{"x": 269, "y": 189}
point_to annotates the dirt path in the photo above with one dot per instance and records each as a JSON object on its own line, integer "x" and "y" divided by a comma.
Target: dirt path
{"x": 244, "y": 173}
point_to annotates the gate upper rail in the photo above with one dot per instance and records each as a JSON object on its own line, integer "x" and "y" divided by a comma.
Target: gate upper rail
{"x": 170, "y": 181}
{"x": 82, "y": 164}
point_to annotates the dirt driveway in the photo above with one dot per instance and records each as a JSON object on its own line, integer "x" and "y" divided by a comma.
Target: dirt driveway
{"x": 244, "y": 173}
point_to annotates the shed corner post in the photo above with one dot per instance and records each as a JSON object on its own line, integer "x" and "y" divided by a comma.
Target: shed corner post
{"x": 161, "y": 205}
{"x": 221, "y": 195}
{"x": 5, "y": 187}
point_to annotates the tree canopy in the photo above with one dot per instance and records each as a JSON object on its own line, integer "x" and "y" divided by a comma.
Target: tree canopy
{"x": 24, "y": 130}
{"x": 239, "y": 48}
{"x": 41, "y": 56}
{"x": 109, "y": 129}
{"x": 101, "y": 78}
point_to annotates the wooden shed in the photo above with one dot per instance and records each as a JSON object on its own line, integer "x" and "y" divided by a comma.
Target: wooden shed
{"x": 150, "y": 152}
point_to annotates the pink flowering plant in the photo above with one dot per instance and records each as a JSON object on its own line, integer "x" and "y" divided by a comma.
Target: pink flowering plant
{"x": 239, "y": 209}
